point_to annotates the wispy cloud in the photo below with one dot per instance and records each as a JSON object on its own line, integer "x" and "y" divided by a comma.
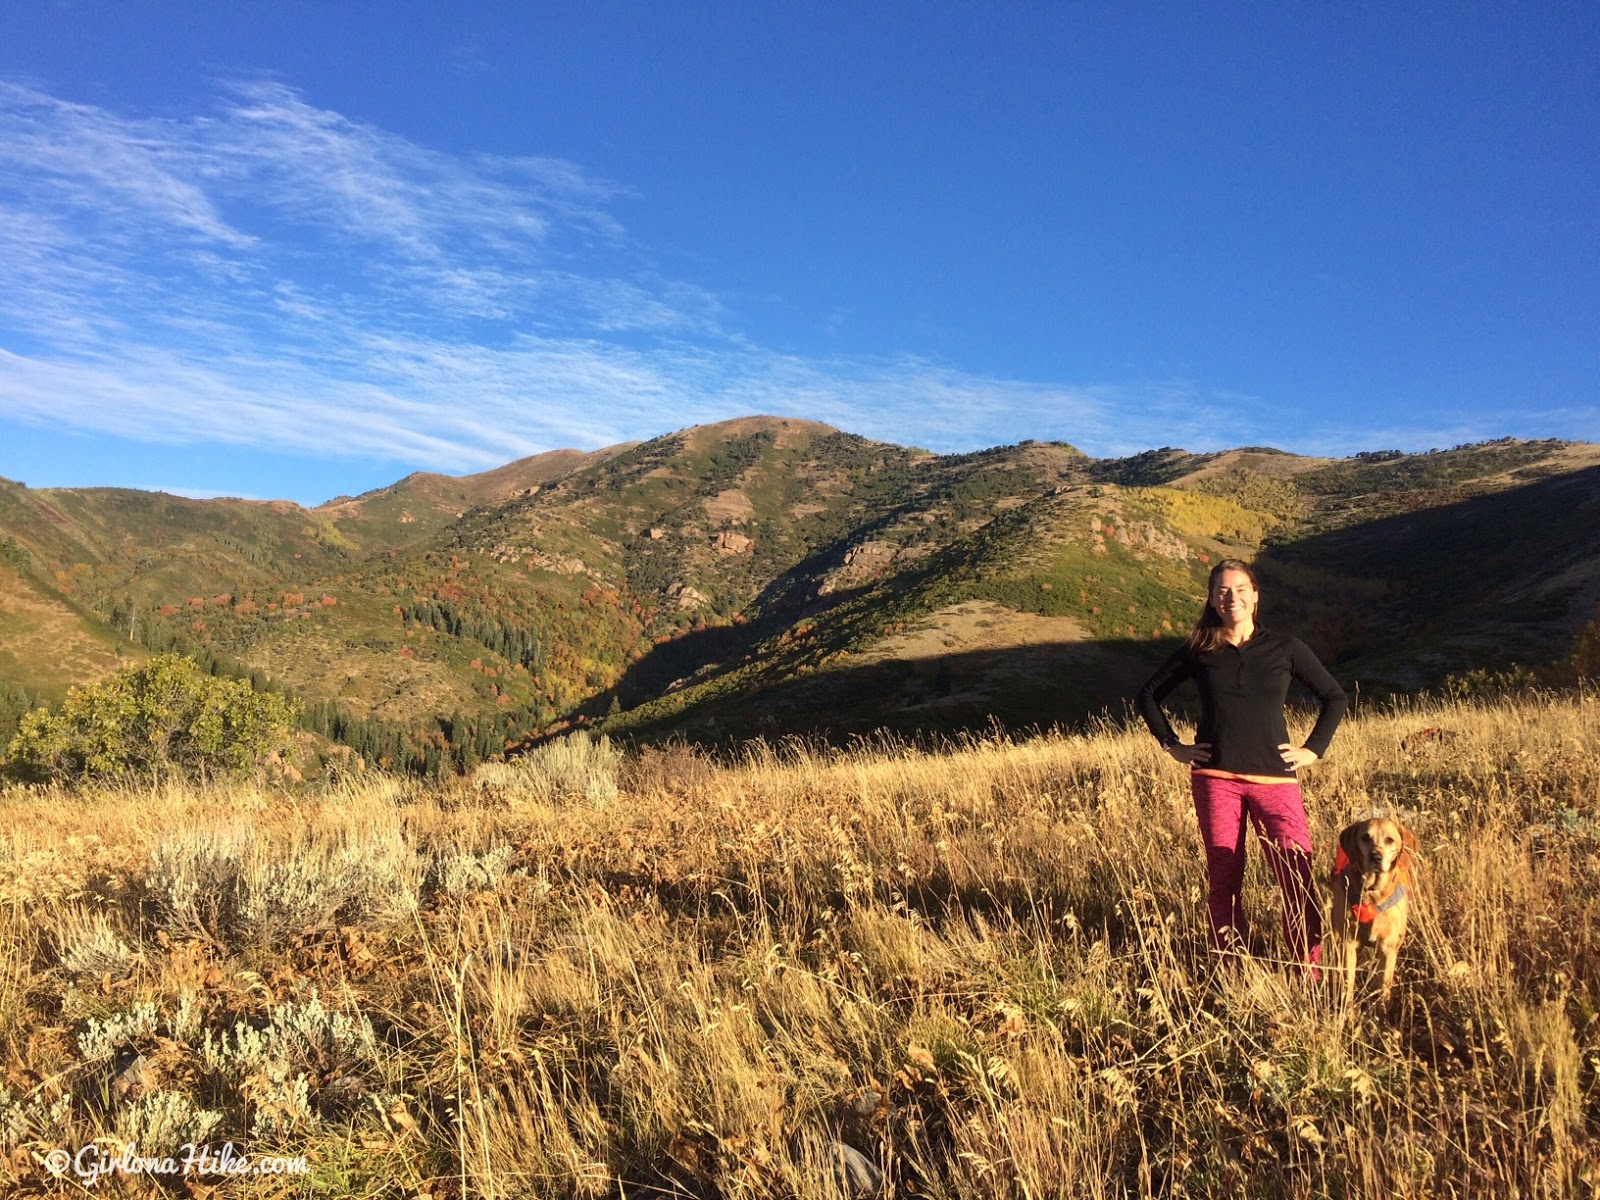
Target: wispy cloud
{"x": 271, "y": 188}
{"x": 1556, "y": 422}
{"x": 277, "y": 275}
{"x": 189, "y": 493}
{"x": 467, "y": 58}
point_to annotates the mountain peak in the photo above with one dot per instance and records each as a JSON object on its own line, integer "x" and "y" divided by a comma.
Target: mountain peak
{"x": 784, "y": 431}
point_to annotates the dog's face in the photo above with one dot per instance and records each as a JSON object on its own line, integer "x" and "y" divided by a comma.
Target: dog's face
{"x": 1375, "y": 846}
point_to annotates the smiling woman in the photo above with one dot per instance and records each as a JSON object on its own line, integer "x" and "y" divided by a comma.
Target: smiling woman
{"x": 1242, "y": 764}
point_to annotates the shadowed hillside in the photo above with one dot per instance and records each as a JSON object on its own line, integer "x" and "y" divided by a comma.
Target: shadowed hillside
{"x": 1485, "y": 582}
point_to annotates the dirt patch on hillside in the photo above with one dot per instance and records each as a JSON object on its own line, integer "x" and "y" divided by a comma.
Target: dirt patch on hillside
{"x": 380, "y": 684}
{"x": 978, "y": 625}
{"x": 1277, "y": 466}
{"x": 981, "y": 657}
{"x": 1576, "y": 456}
{"x": 732, "y": 506}
{"x": 42, "y": 639}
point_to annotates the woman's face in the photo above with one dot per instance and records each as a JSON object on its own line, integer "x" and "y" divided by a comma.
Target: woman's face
{"x": 1234, "y": 597}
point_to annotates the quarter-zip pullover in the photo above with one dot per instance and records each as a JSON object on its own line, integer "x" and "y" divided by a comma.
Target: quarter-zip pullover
{"x": 1243, "y": 690}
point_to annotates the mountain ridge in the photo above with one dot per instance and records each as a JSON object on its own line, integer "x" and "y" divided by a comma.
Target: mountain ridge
{"x": 772, "y": 574}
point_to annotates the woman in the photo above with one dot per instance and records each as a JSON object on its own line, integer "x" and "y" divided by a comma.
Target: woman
{"x": 1242, "y": 763}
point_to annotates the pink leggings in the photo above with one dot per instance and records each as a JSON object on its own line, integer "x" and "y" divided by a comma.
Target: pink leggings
{"x": 1279, "y": 815}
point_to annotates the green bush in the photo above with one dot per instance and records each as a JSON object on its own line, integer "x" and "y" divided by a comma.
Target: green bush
{"x": 166, "y": 715}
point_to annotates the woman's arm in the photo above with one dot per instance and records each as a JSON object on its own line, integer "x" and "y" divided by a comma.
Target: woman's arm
{"x": 1156, "y": 689}
{"x": 1315, "y": 676}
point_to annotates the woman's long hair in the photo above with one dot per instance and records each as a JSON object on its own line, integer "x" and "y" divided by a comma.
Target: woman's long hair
{"x": 1208, "y": 634}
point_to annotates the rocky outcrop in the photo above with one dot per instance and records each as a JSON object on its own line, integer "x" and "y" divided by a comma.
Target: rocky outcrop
{"x": 1137, "y": 535}
{"x": 538, "y": 558}
{"x": 686, "y": 596}
{"x": 862, "y": 564}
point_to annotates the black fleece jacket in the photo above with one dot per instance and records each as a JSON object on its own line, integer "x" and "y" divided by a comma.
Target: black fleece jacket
{"x": 1243, "y": 690}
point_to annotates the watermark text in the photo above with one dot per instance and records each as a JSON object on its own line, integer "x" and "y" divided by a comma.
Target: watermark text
{"x": 95, "y": 1162}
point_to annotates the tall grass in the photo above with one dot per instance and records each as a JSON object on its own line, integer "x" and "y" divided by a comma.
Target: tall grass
{"x": 981, "y": 973}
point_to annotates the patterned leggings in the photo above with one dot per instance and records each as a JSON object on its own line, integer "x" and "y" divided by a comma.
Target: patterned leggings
{"x": 1278, "y": 813}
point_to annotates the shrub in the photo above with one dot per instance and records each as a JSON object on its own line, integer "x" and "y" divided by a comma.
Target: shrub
{"x": 103, "y": 1039}
{"x": 575, "y": 767}
{"x": 166, "y": 715}
{"x": 460, "y": 875}
{"x": 90, "y": 945}
{"x": 161, "y": 1120}
{"x": 238, "y": 886}
{"x": 273, "y": 1065}
{"x": 1586, "y": 650}
{"x": 32, "y": 1119}
{"x": 1484, "y": 684}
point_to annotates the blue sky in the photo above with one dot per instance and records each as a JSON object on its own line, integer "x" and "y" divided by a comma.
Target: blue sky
{"x": 303, "y": 249}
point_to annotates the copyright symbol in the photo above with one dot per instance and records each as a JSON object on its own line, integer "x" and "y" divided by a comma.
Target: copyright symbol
{"x": 57, "y": 1162}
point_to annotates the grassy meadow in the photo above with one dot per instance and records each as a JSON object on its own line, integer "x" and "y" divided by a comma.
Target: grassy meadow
{"x": 981, "y": 972}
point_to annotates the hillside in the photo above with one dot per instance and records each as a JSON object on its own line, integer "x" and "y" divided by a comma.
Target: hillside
{"x": 776, "y": 575}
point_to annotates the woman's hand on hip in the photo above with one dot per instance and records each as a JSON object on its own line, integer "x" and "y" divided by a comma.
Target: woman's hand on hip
{"x": 1196, "y": 755}
{"x": 1294, "y": 757}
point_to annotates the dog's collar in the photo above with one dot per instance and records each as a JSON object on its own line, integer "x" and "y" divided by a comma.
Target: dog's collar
{"x": 1395, "y": 897}
{"x": 1367, "y": 912}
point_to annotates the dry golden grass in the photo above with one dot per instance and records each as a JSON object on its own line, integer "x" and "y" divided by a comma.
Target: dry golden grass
{"x": 984, "y": 970}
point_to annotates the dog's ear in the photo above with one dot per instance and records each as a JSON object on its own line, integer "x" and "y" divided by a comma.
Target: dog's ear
{"x": 1350, "y": 843}
{"x": 1408, "y": 840}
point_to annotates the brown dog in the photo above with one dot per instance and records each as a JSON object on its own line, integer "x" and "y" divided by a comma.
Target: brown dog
{"x": 1372, "y": 889}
